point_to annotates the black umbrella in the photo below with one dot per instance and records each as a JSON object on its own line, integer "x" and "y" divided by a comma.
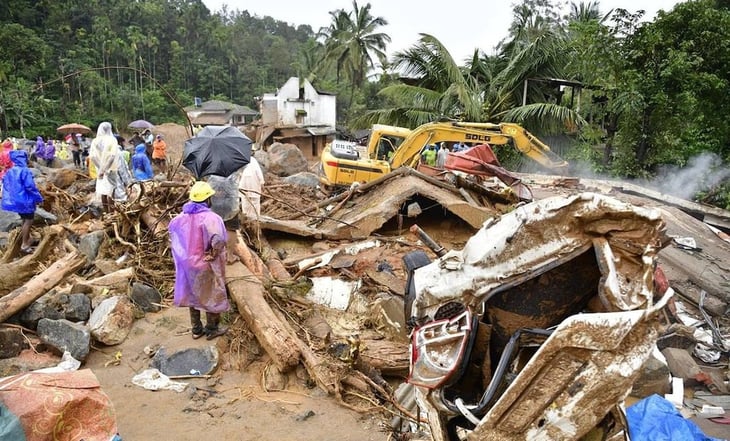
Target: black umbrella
{"x": 217, "y": 150}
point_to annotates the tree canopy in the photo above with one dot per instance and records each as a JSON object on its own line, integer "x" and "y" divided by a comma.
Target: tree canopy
{"x": 632, "y": 97}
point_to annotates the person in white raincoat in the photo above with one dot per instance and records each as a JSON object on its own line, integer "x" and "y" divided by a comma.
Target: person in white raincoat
{"x": 103, "y": 154}
{"x": 252, "y": 180}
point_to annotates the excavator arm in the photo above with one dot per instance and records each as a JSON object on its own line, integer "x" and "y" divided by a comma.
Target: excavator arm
{"x": 494, "y": 134}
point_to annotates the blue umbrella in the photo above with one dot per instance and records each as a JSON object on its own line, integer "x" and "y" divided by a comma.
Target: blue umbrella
{"x": 217, "y": 150}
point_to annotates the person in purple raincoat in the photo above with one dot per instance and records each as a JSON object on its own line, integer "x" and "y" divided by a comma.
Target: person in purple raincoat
{"x": 50, "y": 153}
{"x": 40, "y": 150}
{"x": 198, "y": 243}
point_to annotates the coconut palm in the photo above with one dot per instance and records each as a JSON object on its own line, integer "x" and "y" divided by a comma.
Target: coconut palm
{"x": 353, "y": 44}
{"x": 488, "y": 89}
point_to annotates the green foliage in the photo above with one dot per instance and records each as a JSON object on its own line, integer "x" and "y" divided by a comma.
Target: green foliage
{"x": 92, "y": 58}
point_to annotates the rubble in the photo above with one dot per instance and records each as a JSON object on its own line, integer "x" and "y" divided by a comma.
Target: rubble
{"x": 306, "y": 239}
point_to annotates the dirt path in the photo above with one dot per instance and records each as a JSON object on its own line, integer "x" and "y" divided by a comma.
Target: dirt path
{"x": 231, "y": 405}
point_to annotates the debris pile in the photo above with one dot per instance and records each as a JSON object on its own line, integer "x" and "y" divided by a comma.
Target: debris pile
{"x": 318, "y": 282}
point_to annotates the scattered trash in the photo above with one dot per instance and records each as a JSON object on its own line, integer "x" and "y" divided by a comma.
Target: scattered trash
{"x": 686, "y": 243}
{"x": 332, "y": 292}
{"x": 153, "y": 379}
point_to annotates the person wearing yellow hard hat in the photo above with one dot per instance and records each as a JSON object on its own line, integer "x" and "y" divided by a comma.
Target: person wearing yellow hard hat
{"x": 198, "y": 243}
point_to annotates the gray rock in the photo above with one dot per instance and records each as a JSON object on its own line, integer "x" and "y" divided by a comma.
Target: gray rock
{"x": 263, "y": 158}
{"x": 18, "y": 365}
{"x": 12, "y": 342}
{"x": 305, "y": 415}
{"x": 286, "y": 160}
{"x": 77, "y": 307}
{"x": 146, "y": 297}
{"x": 306, "y": 179}
{"x": 38, "y": 310}
{"x": 111, "y": 321}
{"x": 64, "y": 335}
{"x": 44, "y": 217}
{"x": 192, "y": 361}
{"x": 9, "y": 221}
{"x": 89, "y": 244}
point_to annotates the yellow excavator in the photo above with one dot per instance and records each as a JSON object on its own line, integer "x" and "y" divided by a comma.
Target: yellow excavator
{"x": 390, "y": 147}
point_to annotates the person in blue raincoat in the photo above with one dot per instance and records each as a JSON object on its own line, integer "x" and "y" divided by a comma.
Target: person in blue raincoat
{"x": 21, "y": 195}
{"x": 198, "y": 243}
{"x": 141, "y": 165}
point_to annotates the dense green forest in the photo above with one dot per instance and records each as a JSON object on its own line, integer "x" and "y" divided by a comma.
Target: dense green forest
{"x": 651, "y": 96}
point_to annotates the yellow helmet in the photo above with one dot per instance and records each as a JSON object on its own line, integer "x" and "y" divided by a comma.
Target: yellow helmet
{"x": 201, "y": 191}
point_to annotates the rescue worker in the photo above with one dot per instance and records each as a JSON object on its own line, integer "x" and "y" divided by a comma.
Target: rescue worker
{"x": 429, "y": 155}
{"x": 198, "y": 244}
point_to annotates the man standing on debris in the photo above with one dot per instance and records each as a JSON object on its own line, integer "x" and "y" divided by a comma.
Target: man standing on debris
{"x": 159, "y": 153}
{"x": 441, "y": 156}
{"x": 103, "y": 155}
{"x": 198, "y": 243}
{"x": 21, "y": 195}
{"x": 429, "y": 155}
{"x": 252, "y": 180}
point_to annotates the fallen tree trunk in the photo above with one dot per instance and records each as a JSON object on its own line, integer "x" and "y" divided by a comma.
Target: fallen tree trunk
{"x": 39, "y": 285}
{"x": 273, "y": 335}
{"x": 118, "y": 280}
{"x": 389, "y": 357}
{"x": 153, "y": 224}
{"x": 14, "y": 273}
{"x": 276, "y": 267}
{"x": 251, "y": 260}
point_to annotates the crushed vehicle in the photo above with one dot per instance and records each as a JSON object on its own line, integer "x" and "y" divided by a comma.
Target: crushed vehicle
{"x": 539, "y": 326}
{"x": 389, "y": 147}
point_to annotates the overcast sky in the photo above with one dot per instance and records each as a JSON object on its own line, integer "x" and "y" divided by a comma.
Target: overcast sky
{"x": 461, "y": 25}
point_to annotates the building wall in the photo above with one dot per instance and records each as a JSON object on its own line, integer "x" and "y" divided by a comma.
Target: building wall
{"x": 286, "y": 108}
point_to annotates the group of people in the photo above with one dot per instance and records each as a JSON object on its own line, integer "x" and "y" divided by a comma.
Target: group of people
{"x": 435, "y": 158}
{"x": 197, "y": 235}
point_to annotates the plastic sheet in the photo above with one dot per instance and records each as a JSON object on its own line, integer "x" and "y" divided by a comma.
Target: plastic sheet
{"x": 656, "y": 419}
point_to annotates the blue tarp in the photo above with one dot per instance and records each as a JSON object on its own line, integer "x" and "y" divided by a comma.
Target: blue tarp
{"x": 656, "y": 419}
{"x": 10, "y": 428}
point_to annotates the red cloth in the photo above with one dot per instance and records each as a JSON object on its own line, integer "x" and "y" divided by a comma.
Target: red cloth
{"x": 65, "y": 406}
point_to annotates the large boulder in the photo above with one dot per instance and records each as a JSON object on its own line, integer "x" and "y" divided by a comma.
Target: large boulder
{"x": 286, "y": 160}
{"x": 306, "y": 179}
{"x": 111, "y": 321}
{"x": 64, "y": 335}
{"x": 9, "y": 221}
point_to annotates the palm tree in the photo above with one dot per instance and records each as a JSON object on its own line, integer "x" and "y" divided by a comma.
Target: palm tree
{"x": 488, "y": 89}
{"x": 433, "y": 86}
{"x": 352, "y": 42}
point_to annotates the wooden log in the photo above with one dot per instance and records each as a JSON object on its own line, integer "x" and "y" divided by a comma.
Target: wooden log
{"x": 153, "y": 224}
{"x": 278, "y": 271}
{"x": 316, "y": 367}
{"x": 389, "y": 357}
{"x": 251, "y": 260}
{"x": 14, "y": 273}
{"x": 40, "y": 284}
{"x": 273, "y": 334}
